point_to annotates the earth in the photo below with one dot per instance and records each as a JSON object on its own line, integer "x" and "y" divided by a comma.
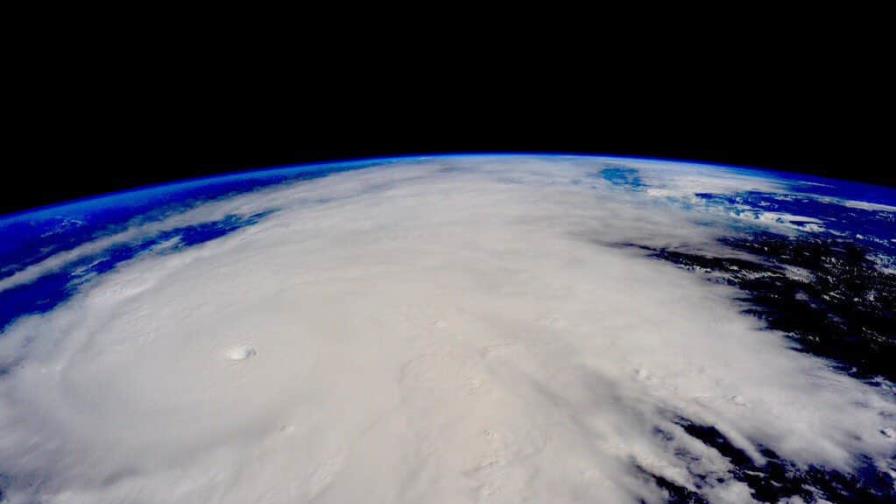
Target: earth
{"x": 449, "y": 329}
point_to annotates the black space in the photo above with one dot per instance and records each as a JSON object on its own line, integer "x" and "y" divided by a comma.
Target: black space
{"x": 82, "y": 128}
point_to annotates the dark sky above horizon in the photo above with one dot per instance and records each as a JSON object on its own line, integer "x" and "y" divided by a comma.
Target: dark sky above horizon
{"x": 104, "y": 160}
{"x": 84, "y": 138}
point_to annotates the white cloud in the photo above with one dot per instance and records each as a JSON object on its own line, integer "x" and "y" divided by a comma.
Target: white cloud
{"x": 444, "y": 330}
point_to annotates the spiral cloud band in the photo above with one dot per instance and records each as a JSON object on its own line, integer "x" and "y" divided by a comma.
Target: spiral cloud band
{"x": 443, "y": 330}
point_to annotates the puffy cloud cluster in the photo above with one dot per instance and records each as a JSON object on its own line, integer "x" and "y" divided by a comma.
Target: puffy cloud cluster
{"x": 439, "y": 330}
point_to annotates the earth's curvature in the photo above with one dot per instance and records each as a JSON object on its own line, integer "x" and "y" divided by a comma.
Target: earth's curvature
{"x": 453, "y": 329}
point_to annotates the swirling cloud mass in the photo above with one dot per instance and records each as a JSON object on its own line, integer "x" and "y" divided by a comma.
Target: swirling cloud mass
{"x": 443, "y": 330}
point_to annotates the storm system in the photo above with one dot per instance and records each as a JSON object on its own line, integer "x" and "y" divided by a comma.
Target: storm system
{"x": 454, "y": 329}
